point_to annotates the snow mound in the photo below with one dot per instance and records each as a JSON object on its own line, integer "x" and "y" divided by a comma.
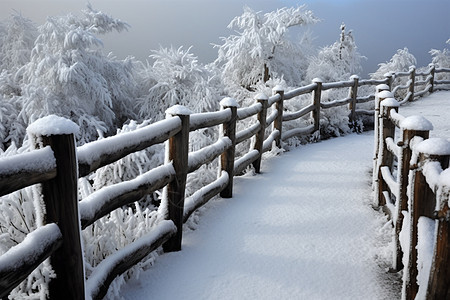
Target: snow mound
{"x": 434, "y": 146}
{"x": 178, "y": 110}
{"x": 229, "y": 102}
{"x": 52, "y": 125}
{"x": 390, "y": 102}
{"x": 416, "y": 123}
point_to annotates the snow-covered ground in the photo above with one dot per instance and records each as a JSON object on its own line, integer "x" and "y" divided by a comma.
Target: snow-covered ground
{"x": 303, "y": 229}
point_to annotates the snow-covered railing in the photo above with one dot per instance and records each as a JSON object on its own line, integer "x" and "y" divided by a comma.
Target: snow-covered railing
{"x": 413, "y": 188}
{"x": 425, "y": 79}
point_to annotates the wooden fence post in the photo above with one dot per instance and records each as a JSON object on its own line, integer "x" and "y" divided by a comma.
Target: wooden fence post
{"x": 390, "y": 78}
{"x": 262, "y": 115}
{"x": 379, "y": 96}
{"x": 61, "y": 204}
{"x": 422, "y": 203}
{"x": 227, "y": 157}
{"x": 353, "y": 94}
{"x": 317, "y": 93}
{"x": 439, "y": 281}
{"x": 387, "y": 129}
{"x": 432, "y": 73}
{"x": 178, "y": 153}
{"x": 410, "y": 130}
{"x": 412, "y": 77}
{"x": 278, "y": 122}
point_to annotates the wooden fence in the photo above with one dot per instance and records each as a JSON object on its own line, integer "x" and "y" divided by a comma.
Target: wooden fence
{"x": 58, "y": 237}
{"x": 406, "y": 166}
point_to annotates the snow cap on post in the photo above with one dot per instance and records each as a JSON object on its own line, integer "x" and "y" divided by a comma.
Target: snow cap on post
{"x": 434, "y": 146}
{"x": 353, "y": 77}
{"x": 261, "y": 96}
{"x": 52, "y": 125}
{"x": 277, "y": 88}
{"x": 228, "y": 102}
{"x": 417, "y": 123}
{"x": 385, "y": 95}
{"x": 390, "y": 102}
{"x": 178, "y": 110}
{"x": 382, "y": 87}
{"x": 317, "y": 80}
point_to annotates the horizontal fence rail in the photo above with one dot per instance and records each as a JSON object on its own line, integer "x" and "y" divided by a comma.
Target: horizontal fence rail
{"x": 408, "y": 187}
{"x": 57, "y": 164}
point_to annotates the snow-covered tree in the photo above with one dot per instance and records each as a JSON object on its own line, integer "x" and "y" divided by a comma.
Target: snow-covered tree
{"x": 176, "y": 77}
{"x": 338, "y": 61}
{"x": 400, "y": 62}
{"x": 68, "y": 75}
{"x": 441, "y": 58}
{"x": 260, "y": 48}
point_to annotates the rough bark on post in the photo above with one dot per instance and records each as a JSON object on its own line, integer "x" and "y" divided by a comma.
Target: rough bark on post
{"x": 227, "y": 157}
{"x": 262, "y": 115}
{"x": 403, "y": 171}
{"x": 432, "y": 73}
{"x": 423, "y": 203}
{"x": 353, "y": 94}
{"x": 439, "y": 282}
{"x": 178, "y": 153}
{"x": 278, "y": 123}
{"x": 387, "y": 129}
{"x": 61, "y": 204}
{"x": 316, "y": 100}
{"x": 412, "y": 78}
{"x": 380, "y": 95}
{"x": 390, "y": 78}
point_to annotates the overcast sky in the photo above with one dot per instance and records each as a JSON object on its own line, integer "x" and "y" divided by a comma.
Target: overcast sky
{"x": 380, "y": 27}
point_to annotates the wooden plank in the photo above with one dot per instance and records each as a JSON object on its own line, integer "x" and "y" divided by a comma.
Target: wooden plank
{"x": 13, "y": 272}
{"x": 262, "y": 116}
{"x": 94, "y": 155}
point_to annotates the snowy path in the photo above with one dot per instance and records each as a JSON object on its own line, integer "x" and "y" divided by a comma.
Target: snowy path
{"x": 303, "y": 229}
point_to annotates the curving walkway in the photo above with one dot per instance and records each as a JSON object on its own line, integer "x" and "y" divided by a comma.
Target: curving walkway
{"x": 303, "y": 229}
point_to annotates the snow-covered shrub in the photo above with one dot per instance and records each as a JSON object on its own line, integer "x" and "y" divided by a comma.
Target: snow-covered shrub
{"x": 441, "y": 58}
{"x": 176, "y": 77}
{"x": 400, "y": 62}
{"x": 66, "y": 74}
{"x": 260, "y": 49}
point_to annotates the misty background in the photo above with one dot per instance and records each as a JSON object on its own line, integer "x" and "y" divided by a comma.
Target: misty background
{"x": 379, "y": 27}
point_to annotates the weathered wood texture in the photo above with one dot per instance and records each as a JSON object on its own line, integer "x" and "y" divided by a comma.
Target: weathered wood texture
{"x": 175, "y": 190}
{"x": 61, "y": 202}
{"x": 227, "y": 157}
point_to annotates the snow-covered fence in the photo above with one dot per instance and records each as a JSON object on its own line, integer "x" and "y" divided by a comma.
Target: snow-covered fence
{"x": 57, "y": 165}
{"x": 425, "y": 79}
{"x": 413, "y": 188}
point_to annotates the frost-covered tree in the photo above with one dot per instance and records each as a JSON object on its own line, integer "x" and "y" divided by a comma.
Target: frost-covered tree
{"x": 176, "y": 77}
{"x": 338, "y": 61}
{"x": 400, "y": 62}
{"x": 260, "y": 48}
{"x": 68, "y": 75}
{"x": 441, "y": 58}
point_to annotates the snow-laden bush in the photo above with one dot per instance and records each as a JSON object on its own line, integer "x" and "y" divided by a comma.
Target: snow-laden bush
{"x": 66, "y": 73}
{"x": 176, "y": 77}
{"x": 441, "y": 58}
{"x": 400, "y": 62}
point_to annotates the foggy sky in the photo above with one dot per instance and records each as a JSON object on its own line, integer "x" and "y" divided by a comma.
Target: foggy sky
{"x": 380, "y": 27}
